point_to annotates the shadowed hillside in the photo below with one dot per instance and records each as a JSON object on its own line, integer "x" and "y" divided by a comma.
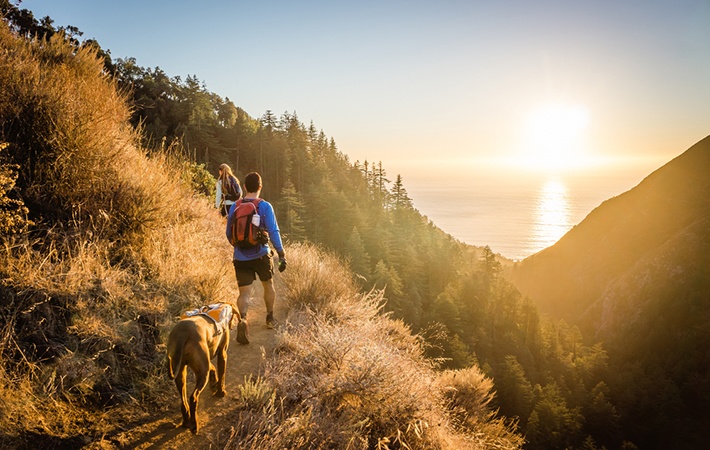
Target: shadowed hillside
{"x": 635, "y": 274}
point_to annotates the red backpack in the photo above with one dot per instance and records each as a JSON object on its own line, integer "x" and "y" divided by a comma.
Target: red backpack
{"x": 244, "y": 232}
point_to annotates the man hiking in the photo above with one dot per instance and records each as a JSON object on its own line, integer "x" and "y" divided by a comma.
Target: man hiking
{"x": 249, "y": 222}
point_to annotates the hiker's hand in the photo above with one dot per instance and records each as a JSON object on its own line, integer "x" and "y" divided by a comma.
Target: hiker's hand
{"x": 282, "y": 264}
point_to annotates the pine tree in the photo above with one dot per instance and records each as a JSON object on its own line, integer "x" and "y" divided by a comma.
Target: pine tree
{"x": 446, "y": 312}
{"x": 291, "y": 208}
{"x": 357, "y": 257}
{"x": 385, "y": 277}
{"x": 227, "y": 113}
{"x": 399, "y": 198}
{"x": 555, "y": 424}
{"x": 379, "y": 182}
{"x": 602, "y": 418}
{"x": 515, "y": 393}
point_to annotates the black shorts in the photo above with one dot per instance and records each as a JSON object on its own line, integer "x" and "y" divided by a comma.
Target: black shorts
{"x": 247, "y": 271}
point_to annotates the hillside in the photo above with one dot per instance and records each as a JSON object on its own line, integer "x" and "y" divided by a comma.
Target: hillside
{"x": 635, "y": 274}
{"x": 569, "y": 277}
{"x": 105, "y": 243}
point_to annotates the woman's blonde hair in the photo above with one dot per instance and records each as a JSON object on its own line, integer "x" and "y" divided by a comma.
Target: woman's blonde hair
{"x": 224, "y": 172}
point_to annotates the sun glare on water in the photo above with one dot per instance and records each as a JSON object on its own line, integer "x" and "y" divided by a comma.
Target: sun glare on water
{"x": 552, "y": 217}
{"x": 555, "y": 137}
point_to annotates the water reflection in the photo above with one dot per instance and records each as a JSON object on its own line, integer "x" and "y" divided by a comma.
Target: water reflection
{"x": 552, "y": 219}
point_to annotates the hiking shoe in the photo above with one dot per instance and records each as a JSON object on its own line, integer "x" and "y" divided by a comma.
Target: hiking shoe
{"x": 243, "y": 332}
{"x": 270, "y": 321}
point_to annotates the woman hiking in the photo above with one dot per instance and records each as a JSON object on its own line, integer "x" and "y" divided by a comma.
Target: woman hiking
{"x": 228, "y": 190}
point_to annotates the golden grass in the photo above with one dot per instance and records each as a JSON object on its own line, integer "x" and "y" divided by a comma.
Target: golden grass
{"x": 122, "y": 246}
{"x": 344, "y": 375}
{"x": 317, "y": 280}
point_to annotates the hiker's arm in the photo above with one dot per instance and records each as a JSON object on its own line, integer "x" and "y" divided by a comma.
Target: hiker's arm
{"x": 272, "y": 227}
{"x": 218, "y": 197}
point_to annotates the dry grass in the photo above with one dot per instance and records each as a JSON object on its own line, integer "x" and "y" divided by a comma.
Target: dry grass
{"x": 468, "y": 393}
{"x": 318, "y": 280}
{"x": 122, "y": 246}
{"x": 346, "y": 376}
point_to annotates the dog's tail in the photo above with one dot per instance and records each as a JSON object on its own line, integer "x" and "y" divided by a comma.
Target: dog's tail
{"x": 172, "y": 367}
{"x": 174, "y": 361}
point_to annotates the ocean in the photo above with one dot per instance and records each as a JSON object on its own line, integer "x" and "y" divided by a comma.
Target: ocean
{"x": 515, "y": 214}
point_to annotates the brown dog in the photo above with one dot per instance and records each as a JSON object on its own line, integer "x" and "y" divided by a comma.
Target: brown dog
{"x": 194, "y": 341}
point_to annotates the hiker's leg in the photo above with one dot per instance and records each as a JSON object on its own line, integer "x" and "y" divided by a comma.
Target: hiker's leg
{"x": 269, "y": 295}
{"x": 245, "y": 277}
{"x": 243, "y": 300}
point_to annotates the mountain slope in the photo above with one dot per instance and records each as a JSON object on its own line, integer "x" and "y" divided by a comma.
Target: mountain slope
{"x": 623, "y": 232}
{"x": 635, "y": 275}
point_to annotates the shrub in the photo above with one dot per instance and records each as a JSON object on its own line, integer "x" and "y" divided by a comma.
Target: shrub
{"x": 468, "y": 393}
{"x": 13, "y": 213}
{"x": 317, "y": 280}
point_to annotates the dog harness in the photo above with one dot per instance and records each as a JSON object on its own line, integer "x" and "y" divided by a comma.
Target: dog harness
{"x": 218, "y": 313}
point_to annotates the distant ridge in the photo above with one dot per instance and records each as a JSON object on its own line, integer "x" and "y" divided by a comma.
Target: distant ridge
{"x": 635, "y": 276}
{"x": 625, "y": 235}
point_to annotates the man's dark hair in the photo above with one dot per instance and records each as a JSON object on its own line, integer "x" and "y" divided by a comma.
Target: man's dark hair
{"x": 252, "y": 182}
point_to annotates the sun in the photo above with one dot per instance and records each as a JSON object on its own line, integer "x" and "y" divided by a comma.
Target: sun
{"x": 555, "y": 136}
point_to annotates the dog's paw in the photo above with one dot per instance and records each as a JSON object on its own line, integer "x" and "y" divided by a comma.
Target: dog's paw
{"x": 220, "y": 393}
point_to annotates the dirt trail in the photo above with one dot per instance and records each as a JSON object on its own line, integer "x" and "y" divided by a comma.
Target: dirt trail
{"x": 162, "y": 431}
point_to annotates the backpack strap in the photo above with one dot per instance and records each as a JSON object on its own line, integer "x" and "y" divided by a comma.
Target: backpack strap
{"x": 256, "y": 202}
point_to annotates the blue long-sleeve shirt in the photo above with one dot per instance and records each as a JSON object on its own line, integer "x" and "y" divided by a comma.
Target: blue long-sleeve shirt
{"x": 268, "y": 221}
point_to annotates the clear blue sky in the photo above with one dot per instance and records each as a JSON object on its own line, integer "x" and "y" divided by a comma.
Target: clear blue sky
{"x": 408, "y": 82}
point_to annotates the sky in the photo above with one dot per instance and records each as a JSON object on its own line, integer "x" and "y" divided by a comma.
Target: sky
{"x": 419, "y": 83}
{"x": 466, "y": 100}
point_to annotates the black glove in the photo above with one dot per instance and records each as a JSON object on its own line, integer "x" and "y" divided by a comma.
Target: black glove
{"x": 282, "y": 264}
